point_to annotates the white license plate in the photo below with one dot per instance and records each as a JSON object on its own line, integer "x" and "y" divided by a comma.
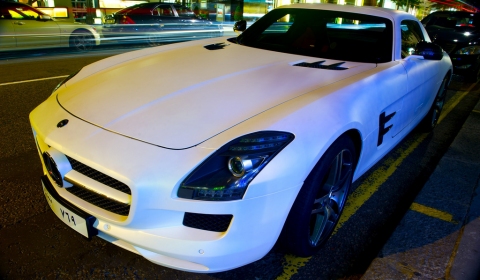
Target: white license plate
{"x": 74, "y": 221}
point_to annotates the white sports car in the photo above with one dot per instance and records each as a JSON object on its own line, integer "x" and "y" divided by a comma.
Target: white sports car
{"x": 199, "y": 156}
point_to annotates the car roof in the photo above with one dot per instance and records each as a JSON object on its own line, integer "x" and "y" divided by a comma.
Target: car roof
{"x": 152, "y": 4}
{"x": 10, "y": 4}
{"x": 366, "y": 10}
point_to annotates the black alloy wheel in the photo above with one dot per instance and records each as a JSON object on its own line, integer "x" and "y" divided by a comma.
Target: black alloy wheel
{"x": 431, "y": 119}
{"x": 81, "y": 40}
{"x": 320, "y": 202}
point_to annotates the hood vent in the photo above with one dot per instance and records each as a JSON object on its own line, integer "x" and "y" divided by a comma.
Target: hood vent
{"x": 319, "y": 65}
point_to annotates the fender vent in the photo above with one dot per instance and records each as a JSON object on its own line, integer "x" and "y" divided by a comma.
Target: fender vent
{"x": 217, "y": 46}
{"x": 319, "y": 65}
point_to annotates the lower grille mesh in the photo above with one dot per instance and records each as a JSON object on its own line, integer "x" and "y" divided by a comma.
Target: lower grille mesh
{"x": 217, "y": 223}
{"x": 100, "y": 200}
{"x": 98, "y": 176}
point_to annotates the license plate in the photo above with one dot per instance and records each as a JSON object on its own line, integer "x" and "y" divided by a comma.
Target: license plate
{"x": 67, "y": 215}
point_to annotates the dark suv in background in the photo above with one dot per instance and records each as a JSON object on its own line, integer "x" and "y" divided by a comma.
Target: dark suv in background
{"x": 157, "y": 23}
{"x": 458, "y": 33}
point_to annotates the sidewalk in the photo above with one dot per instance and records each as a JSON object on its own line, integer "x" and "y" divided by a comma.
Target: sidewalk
{"x": 439, "y": 237}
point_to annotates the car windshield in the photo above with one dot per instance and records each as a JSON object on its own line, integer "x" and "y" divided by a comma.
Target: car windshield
{"x": 324, "y": 34}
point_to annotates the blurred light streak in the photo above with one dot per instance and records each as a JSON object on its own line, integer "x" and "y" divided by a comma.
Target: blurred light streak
{"x": 34, "y": 80}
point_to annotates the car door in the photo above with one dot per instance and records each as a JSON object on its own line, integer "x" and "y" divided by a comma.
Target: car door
{"x": 6, "y": 29}
{"x": 189, "y": 24}
{"x": 421, "y": 72}
{"x": 30, "y": 30}
{"x": 170, "y": 23}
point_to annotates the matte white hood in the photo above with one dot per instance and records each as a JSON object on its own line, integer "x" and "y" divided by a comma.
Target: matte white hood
{"x": 179, "y": 97}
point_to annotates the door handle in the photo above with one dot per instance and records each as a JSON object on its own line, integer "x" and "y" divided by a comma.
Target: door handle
{"x": 19, "y": 22}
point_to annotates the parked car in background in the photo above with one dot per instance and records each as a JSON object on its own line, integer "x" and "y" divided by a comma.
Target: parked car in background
{"x": 24, "y": 27}
{"x": 157, "y": 23}
{"x": 458, "y": 33}
{"x": 242, "y": 141}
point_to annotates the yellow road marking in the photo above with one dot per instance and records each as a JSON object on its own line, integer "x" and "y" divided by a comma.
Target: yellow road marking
{"x": 453, "y": 102}
{"x": 432, "y": 212}
{"x": 291, "y": 266}
{"x": 370, "y": 185}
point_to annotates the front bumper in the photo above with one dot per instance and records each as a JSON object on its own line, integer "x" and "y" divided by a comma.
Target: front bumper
{"x": 146, "y": 179}
{"x": 465, "y": 64}
{"x": 251, "y": 234}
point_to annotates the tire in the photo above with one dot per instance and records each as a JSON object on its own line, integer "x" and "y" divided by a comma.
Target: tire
{"x": 431, "y": 119}
{"x": 153, "y": 38}
{"x": 321, "y": 200}
{"x": 81, "y": 40}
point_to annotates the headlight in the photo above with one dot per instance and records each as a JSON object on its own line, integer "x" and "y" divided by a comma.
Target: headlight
{"x": 471, "y": 50}
{"x": 65, "y": 80}
{"x": 226, "y": 174}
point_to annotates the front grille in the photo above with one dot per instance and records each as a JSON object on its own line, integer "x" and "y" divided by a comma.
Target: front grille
{"x": 217, "y": 223}
{"x": 100, "y": 200}
{"x": 97, "y": 199}
{"x": 98, "y": 176}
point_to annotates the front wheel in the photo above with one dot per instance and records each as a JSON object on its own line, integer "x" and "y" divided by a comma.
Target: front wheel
{"x": 154, "y": 38}
{"x": 81, "y": 40}
{"x": 431, "y": 119}
{"x": 321, "y": 200}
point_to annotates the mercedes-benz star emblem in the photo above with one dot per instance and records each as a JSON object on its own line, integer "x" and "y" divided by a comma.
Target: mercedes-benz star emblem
{"x": 62, "y": 123}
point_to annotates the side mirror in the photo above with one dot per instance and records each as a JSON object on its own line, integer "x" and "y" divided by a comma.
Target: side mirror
{"x": 240, "y": 25}
{"x": 44, "y": 17}
{"x": 429, "y": 51}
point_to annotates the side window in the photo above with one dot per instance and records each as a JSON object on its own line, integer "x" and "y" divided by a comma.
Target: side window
{"x": 16, "y": 15}
{"x": 411, "y": 36}
{"x": 28, "y": 12}
{"x": 19, "y": 13}
{"x": 164, "y": 10}
{"x": 184, "y": 12}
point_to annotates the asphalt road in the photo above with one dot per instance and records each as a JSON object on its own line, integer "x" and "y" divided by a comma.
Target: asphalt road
{"x": 35, "y": 244}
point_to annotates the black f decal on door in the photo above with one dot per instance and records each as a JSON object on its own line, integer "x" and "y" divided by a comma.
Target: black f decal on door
{"x": 382, "y": 130}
